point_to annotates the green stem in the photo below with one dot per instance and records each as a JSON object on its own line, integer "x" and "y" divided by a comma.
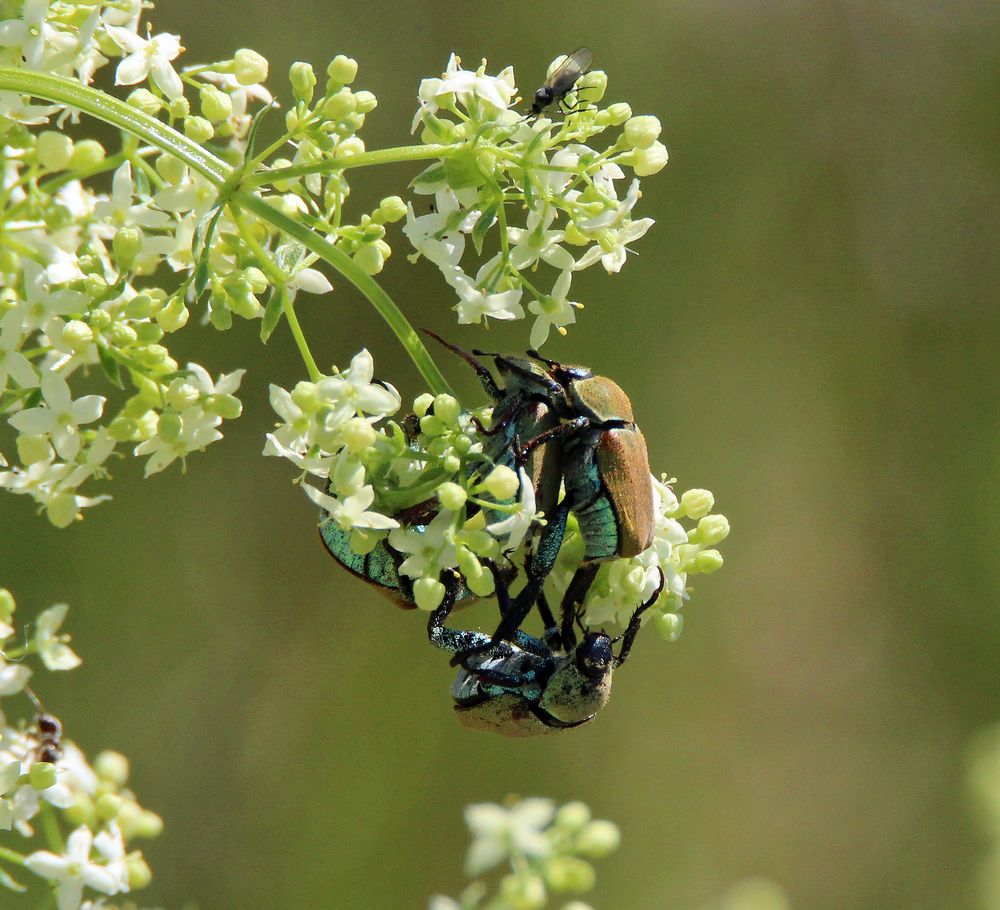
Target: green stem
{"x": 365, "y": 159}
{"x": 51, "y": 827}
{"x": 11, "y": 856}
{"x": 343, "y": 263}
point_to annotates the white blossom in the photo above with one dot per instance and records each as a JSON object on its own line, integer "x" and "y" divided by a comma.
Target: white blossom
{"x": 148, "y": 58}
{"x": 74, "y": 870}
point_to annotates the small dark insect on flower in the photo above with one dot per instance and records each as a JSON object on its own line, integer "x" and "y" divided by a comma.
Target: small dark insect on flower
{"x": 562, "y": 80}
{"x": 49, "y": 734}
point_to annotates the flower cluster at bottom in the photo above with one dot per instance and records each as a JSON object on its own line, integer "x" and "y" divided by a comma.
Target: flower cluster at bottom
{"x": 548, "y": 851}
{"x": 48, "y": 786}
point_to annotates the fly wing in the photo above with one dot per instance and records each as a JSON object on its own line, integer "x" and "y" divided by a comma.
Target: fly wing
{"x": 572, "y": 68}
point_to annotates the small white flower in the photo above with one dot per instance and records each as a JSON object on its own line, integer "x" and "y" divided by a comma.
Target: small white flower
{"x": 553, "y": 310}
{"x": 119, "y": 210}
{"x": 40, "y": 303}
{"x": 52, "y": 648}
{"x": 475, "y": 304}
{"x": 469, "y": 89}
{"x": 440, "y": 235}
{"x": 499, "y": 832}
{"x": 13, "y": 363}
{"x": 535, "y": 242}
{"x": 43, "y": 46}
{"x": 432, "y": 548}
{"x": 611, "y": 249}
{"x": 60, "y": 417}
{"x": 74, "y": 870}
{"x": 516, "y": 525}
{"x": 13, "y": 678}
{"x": 352, "y": 512}
{"x": 353, "y": 394}
{"x": 147, "y": 58}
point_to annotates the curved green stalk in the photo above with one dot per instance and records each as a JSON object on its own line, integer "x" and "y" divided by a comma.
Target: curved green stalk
{"x": 343, "y": 263}
{"x": 365, "y": 159}
{"x": 131, "y": 120}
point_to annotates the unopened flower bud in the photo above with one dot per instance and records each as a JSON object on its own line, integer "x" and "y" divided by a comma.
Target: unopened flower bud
{"x": 569, "y": 873}
{"x": 216, "y": 105}
{"x": 428, "y": 593}
{"x": 179, "y": 107}
{"x": 7, "y": 605}
{"x": 618, "y": 113}
{"x": 447, "y": 409}
{"x": 112, "y": 766}
{"x": 173, "y": 316}
{"x": 600, "y": 838}
{"x": 198, "y": 129}
{"x": 306, "y": 396}
{"x": 502, "y": 483}
{"x": 139, "y": 873}
{"x": 370, "y": 259}
{"x": 712, "y": 529}
{"x": 258, "y": 280}
{"x": 390, "y": 210}
{"x": 147, "y": 332}
{"x": 77, "y": 335}
{"x": 642, "y": 131}
{"x": 303, "y": 79}
{"x": 705, "y": 563}
{"x": 342, "y": 69}
{"x": 122, "y": 428}
{"x": 451, "y": 496}
{"x": 572, "y": 817}
{"x": 668, "y": 625}
{"x": 108, "y": 806}
{"x": 228, "y": 407}
{"x": 87, "y": 153}
{"x": 249, "y": 67}
{"x": 648, "y": 161}
{"x": 127, "y": 244}
{"x": 54, "y": 150}
{"x": 431, "y": 425}
{"x": 42, "y": 775}
{"x": 422, "y": 404}
{"x": 365, "y": 102}
{"x": 340, "y": 105}
{"x": 697, "y": 503}
{"x": 81, "y": 811}
{"x": 169, "y": 426}
{"x": 358, "y": 434}
{"x": 145, "y": 101}
{"x": 523, "y": 892}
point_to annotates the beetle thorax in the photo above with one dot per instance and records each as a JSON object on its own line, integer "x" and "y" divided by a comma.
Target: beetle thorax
{"x": 601, "y": 399}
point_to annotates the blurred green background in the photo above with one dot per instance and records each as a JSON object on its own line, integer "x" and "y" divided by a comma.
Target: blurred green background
{"x": 811, "y": 331}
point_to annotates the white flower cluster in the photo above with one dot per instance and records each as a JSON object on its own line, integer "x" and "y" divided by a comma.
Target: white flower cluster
{"x": 548, "y": 849}
{"x": 498, "y": 163}
{"x": 45, "y": 776}
{"x": 622, "y": 585}
{"x": 374, "y": 471}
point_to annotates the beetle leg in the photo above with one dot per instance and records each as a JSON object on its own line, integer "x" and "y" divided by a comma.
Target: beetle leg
{"x": 628, "y": 636}
{"x": 440, "y": 635}
{"x": 575, "y": 592}
{"x": 564, "y": 429}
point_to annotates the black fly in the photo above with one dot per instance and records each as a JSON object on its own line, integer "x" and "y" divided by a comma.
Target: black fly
{"x": 563, "y": 79}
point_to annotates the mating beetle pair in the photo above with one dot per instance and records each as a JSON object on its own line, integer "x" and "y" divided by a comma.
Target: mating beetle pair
{"x": 531, "y": 686}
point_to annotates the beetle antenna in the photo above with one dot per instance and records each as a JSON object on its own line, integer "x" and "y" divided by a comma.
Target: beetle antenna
{"x": 485, "y": 376}
{"x": 532, "y": 352}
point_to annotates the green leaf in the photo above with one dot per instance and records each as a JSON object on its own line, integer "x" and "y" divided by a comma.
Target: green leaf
{"x": 141, "y": 182}
{"x": 252, "y": 132}
{"x": 431, "y": 176}
{"x": 273, "y": 312}
{"x": 111, "y": 368}
{"x": 8, "y": 882}
{"x": 485, "y": 222}
{"x": 463, "y": 171}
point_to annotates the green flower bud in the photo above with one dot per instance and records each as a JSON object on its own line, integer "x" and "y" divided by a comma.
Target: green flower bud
{"x": 87, "y": 153}
{"x": 572, "y": 817}
{"x": 502, "y": 483}
{"x": 306, "y": 396}
{"x": 228, "y": 407}
{"x": 668, "y": 625}
{"x": 370, "y": 259}
{"x": 591, "y": 88}
{"x": 216, "y": 105}
{"x": 641, "y": 132}
{"x": 303, "y": 79}
{"x": 147, "y": 332}
{"x": 149, "y": 825}
{"x": 122, "y": 428}
{"x": 430, "y": 425}
{"x": 569, "y": 873}
{"x": 61, "y": 510}
{"x": 198, "y": 129}
{"x": 577, "y": 905}
{"x": 179, "y": 107}
{"x": 108, "y": 806}
{"x": 365, "y": 102}
{"x": 127, "y": 244}
{"x": 390, "y": 210}
{"x": 422, "y": 404}
{"x": 95, "y": 286}
{"x": 451, "y": 496}
{"x": 81, "y": 812}
{"x": 342, "y": 69}
{"x": 349, "y": 147}
{"x": 451, "y": 463}
{"x": 697, "y": 503}
{"x": 42, "y": 775}
{"x": 145, "y": 101}
{"x": 447, "y": 409}
{"x": 648, "y": 161}
{"x": 54, "y": 150}
{"x": 182, "y": 393}
{"x": 598, "y": 839}
{"x": 358, "y": 434}
{"x": 218, "y": 315}
{"x": 618, "y": 113}
{"x": 240, "y": 298}
{"x": 77, "y": 335}
{"x": 428, "y": 593}
{"x": 169, "y": 426}
{"x": 7, "y": 605}
{"x": 523, "y": 892}
{"x": 258, "y": 280}
{"x": 173, "y": 316}
{"x": 139, "y": 873}
{"x": 139, "y": 307}
{"x": 712, "y": 529}
{"x": 249, "y": 67}
{"x": 705, "y": 563}
{"x": 153, "y": 355}
{"x": 339, "y": 105}
{"x": 32, "y": 449}
{"x": 123, "y": 335}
